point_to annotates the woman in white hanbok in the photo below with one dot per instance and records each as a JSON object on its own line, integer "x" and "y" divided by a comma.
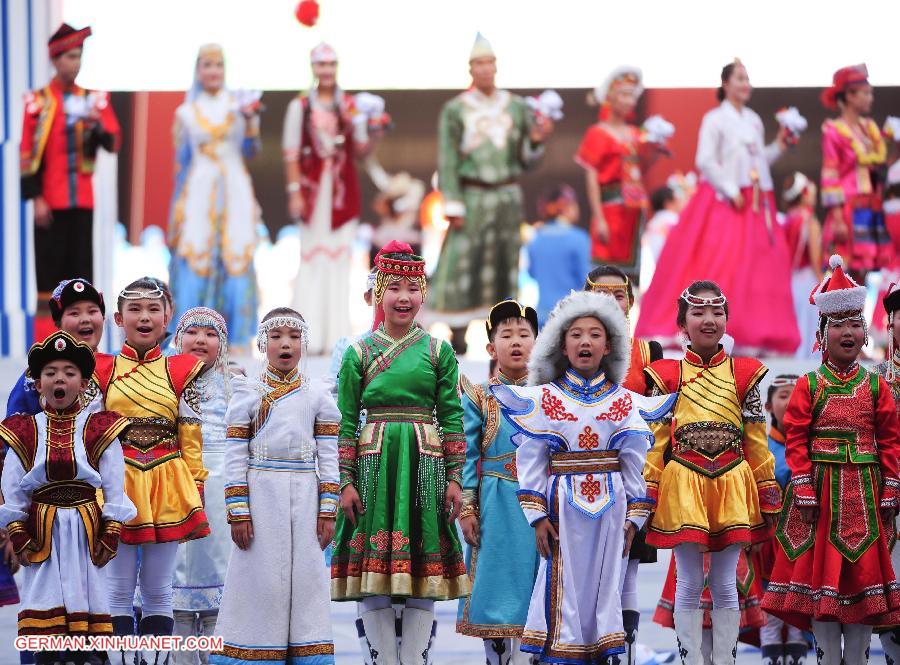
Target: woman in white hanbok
{"x": 212, "y": 232}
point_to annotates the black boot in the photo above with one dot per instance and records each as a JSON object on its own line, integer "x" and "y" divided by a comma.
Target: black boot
{"x": 630, "y": 621}
{"x": 795, "y": 653}
{"x": 46, "y": 657}
{"x": 122, "y": 626}
{"x": 158, "y": 626}
{"x": 773, "y": 654}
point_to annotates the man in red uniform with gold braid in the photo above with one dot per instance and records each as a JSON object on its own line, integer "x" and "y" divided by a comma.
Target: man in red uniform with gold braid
{"x": 63, "y": 127}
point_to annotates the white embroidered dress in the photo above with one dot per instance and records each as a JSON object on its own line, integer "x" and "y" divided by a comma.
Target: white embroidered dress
{"x": 276, "y": 603}
{"x": 201, "y": 564}
{"x": 581, "y": 448}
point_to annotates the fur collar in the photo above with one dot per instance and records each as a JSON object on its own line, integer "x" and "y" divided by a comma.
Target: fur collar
{"x": 547, "y": 361}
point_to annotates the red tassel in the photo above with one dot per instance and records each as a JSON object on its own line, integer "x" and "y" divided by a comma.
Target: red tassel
{"x": 307, "y": 12}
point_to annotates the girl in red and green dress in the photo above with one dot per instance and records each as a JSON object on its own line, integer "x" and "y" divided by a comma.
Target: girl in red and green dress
{"x": 833, "y": 568}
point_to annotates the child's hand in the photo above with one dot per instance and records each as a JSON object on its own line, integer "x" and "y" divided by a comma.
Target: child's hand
{"x": 325, "y": 531}
{"x": 771, "y": 520}
{"x": 242, "y": 534}
{"x": 453, "y": 500}
{"x": 102, "y": 556}
{"x": 469, "y": 526}
{"x": 9, "y": 557}
{"x": 888, "y": 515}
{"x": 351, "y": 504}
{"x": 545, "y": 534}
{"x": 630, "y": 531}
{"x": 23, "y": 557}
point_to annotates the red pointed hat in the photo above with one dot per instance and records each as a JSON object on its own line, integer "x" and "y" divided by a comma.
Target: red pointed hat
{"x": 66, "y": 38}
{"x": 838, "y": 293}
{"x": 842, "y": 80}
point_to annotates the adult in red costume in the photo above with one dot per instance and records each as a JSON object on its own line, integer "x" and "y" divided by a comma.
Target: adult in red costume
{"x": 63, "y": 126}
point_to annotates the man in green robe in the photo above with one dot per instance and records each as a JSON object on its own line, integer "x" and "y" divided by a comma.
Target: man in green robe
{"x": 487, "y": 138}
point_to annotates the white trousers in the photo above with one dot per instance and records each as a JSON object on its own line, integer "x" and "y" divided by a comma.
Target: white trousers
{"x": 157, "y": 567}
{"x": 721, "y": 579}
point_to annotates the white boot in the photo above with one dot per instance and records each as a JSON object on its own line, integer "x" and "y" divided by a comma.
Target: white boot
{"x": 828, "y": 642}
{"x": 726, "y": 624}
{"x": 416, "y": 636}
{"x": 688, "y": 631}
{"x": 857, "y": 639}
{"x": 381, "y": 635}
{"x": 207, "y": 629}
{"x": 706, "y": 646}
{"x": 519, "y": 657}
{"x": 890, "y": 642}
{"x": 185, "y": 626}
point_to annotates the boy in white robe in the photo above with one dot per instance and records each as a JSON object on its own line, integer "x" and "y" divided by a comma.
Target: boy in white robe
{"x": 56, "y": 462}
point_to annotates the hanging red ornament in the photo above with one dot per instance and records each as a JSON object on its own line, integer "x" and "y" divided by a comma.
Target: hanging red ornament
{"x": 307, "y": 12}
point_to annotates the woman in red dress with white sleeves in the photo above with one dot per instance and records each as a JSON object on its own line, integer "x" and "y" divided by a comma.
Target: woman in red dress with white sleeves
{"x": 609, "y": 155}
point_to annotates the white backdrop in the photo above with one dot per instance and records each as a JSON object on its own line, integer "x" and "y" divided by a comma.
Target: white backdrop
{"x": 398, "y": 44}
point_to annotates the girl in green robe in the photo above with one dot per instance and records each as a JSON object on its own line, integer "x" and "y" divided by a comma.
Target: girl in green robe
{"x": 400, "y": 472}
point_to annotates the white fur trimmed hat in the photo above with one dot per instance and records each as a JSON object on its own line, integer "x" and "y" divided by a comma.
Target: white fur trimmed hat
{"x": 548, "y": 362}
{"x": 838, "y": 293}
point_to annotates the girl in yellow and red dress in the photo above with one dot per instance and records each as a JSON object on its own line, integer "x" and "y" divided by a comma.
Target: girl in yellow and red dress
{"x": 728, "y": 226}
{"x": 164, "y": 471}
{"x": 710, "y": 471}
{"x": 854, "y": 155}
{"x": 833, "y": 568}
{"x": 609, "y": 152}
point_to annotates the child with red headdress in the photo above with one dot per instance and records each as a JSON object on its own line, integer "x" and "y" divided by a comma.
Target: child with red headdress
{"x": 833, "y": 568}
{"x": 853, "y": 156}
{"x": 62, "y": 128}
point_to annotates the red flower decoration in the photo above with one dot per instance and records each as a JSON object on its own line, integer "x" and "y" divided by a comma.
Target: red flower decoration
{"x": 398, "y": 541}
{"x": 590, "y": 488}
{"x": 554, "y": 408}
{"x": 358, "y": 542}
{"x": 511, "y": 467}
{"x": 381, "y": 540}
{"x": 307, "y": 12}
{"x": 588, "y": 439}
{"x": 618, "y": 411}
